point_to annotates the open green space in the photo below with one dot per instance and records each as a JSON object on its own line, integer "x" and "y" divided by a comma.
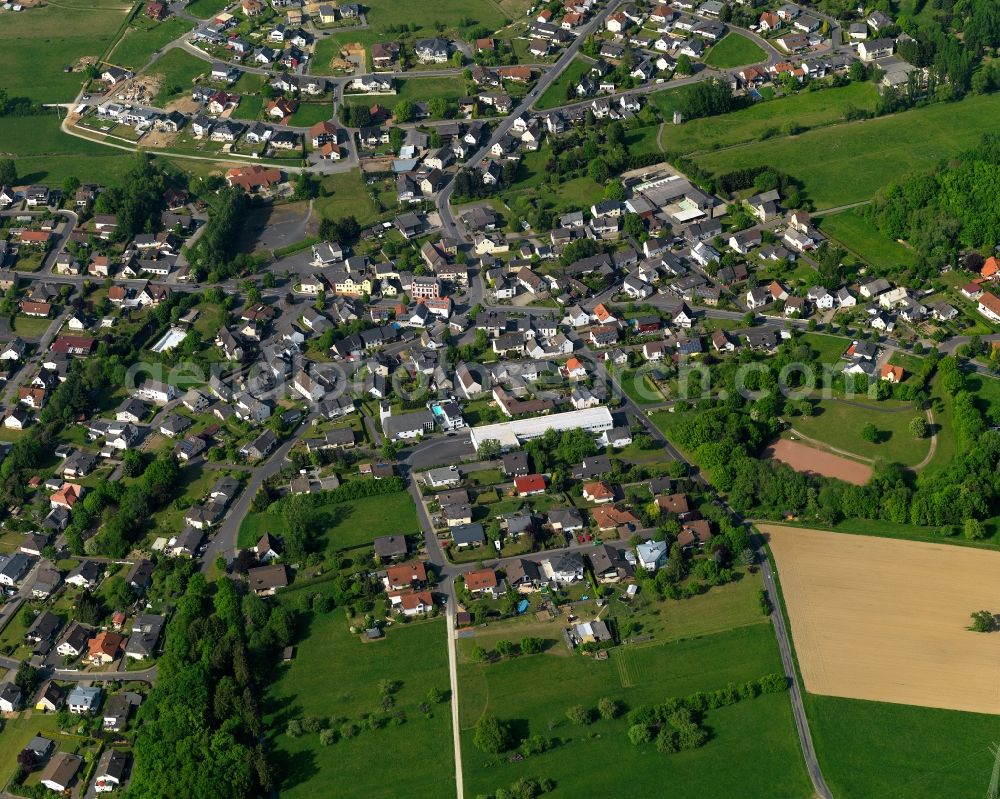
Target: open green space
{"x": 414, "y": 89}
{"x": 851, "y": 229}
{"x": 203, "y": 9}
{"x": 40, "y": 42}
{"x": 639, "y": 387}
{"x": 761, "y": 120}
{"x": 825, "y": 347}
{"x": 344, "y": 525}
{"x": 876, "y": 750}
{"x": 752, "y": 752}
{"x": 848, "y": 163}
{"x": 531, "y": 186}
{"x": 348, "y": 196}
{"x": 177, "y": 69}
{"x": 250, "y": 108}
{"x": 145, "y": 37}
{"x": 308, "y": 114}
{"x": 838, "y": 423}
{"x": 427, "y": 19}
{"x": 556, "y": 94}
{"x": 31, "y": 327}
{"x": 45, "y": 154}
{"x": 735, "y": 50}
{"x": 335, "y": 676}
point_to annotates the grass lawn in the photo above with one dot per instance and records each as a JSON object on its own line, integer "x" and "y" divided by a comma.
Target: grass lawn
{"x": 839, "y": 424}
{"x": 414, "y": 89}
{"x": 760, "y": 120}
{"x": 178, "y": 69}
{"x": 145, "y": 37}
{"x": 251, "y": 106}
{"x": 344, "y": 525}
{"x": 827, "y": 348}
{"x": 31, "y": 327}
{"x": 859, "y": 236}
{"x": 203, "y": 9}
{"x": 934, "y": 753}
{"x": 41, "y": 41}
{"x": 858, "y": 158}
{"x": 308, "y": 114}
{"x": 348, "y": 197}
{"x": 735, "y": 50}
{"x": 44, "y": 154}
{"x": 555, "y": 95}
{"x": 753, "y": 751}
{"x": 335, "y": 675}
{"x": 639, "y": 388}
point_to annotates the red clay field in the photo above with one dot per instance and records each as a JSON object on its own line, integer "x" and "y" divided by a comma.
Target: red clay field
{"x": 816, "y": 462}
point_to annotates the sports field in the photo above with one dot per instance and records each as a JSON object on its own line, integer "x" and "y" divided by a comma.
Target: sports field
{"x": 885, "y": 620}
{"x": 848, "y": 163}
{"x": 735, "y": 50}
{"x": 809, "y": 460}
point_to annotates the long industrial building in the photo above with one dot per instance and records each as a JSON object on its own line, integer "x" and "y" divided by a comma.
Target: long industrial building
{"x": 513, "y": 434}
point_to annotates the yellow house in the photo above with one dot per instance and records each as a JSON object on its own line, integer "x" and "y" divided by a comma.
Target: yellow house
{"x": 347, "y": 284}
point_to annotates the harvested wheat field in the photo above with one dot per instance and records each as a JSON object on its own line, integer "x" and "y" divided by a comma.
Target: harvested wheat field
{"x": 885, "y": 619}
{"x": 808, "y": 460}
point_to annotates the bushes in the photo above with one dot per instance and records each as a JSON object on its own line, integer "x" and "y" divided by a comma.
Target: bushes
{"x": 492, "y": 735}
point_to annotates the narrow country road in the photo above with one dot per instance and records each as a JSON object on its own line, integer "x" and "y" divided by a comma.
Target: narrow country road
{"x": 453, "y": 675}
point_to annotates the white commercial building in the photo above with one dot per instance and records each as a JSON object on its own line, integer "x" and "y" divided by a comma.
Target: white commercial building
{"x": 513, "y": 434}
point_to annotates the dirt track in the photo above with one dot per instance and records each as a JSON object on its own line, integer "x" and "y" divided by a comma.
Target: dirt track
{"x": 808, "y": 460}
{"x": 885, "y": 620}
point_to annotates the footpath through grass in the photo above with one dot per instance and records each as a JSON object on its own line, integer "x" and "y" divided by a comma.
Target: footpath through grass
{"x": 848, "y": 163}
{"x": 335, "y": 676}
{"x": 876, "y": 750}
{"x": 752, "y": 752}
{"x": 735, "y": 50}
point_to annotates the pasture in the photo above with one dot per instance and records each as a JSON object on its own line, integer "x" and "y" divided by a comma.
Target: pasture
{"x": 144, "y": 37}
{"x": 335, "y": 676}
{"x": 848, "y": 163}
{"x": 735, "y": 50}
{"x": 860, "y": 237}
{"x": 934, "y": 752}
{"x": 40, "y": 42}
{"x": 763, "y": 120}
{"x": 753, "y": 751}
{"x": 44, "y": 154}
{"x": 885, "y": 620}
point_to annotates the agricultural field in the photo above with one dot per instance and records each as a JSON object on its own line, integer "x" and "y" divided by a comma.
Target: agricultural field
{"x": 848, "y": 163}
{"x": 144, "y": 37}
{"x": 934, "y": 752}
{"x": 343, "y": 525}
{"x": 46, "y": 154}
{"x": 762, "y": 120}
{"x": 753, "y": 751}
{"x": 883, "y": 620}
{"x": 838, "y": 423}
{"x": 335, "y": 676}
{"x": 735, "y": 50}
{"x": 857, "y": 235}
{"x": 40, "y": 42}
{"x": 555, "y": 95}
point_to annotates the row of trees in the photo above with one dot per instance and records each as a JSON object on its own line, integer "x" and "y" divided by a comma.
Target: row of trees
{"x": 215, "y": 253}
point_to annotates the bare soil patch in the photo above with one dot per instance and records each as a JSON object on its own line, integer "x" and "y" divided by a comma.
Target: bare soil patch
{"x": 814, "y": 461}
{"x": 885, "y": 619}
